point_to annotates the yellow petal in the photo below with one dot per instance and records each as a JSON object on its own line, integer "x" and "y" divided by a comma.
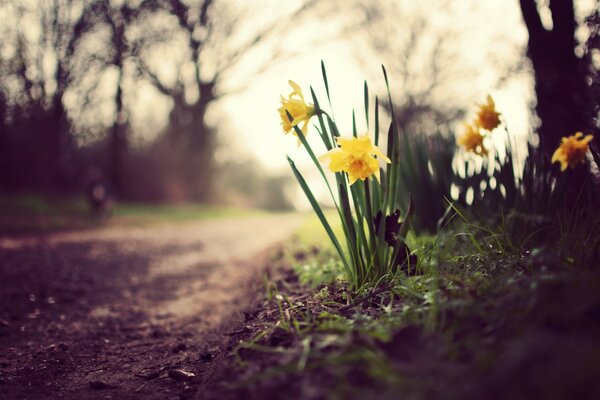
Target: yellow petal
{"x": 325, "y": 157}
{"x": 556, "y": 155}
{"x": 379, "y": 154}
{"x": 297, "y": 89}
{"x": 338, "y": 163}
{"x": 352, "y": 178}
{"x": 563, "y": 165}
{"x": 298, "y": 119}
{"x": 305, "y": 126}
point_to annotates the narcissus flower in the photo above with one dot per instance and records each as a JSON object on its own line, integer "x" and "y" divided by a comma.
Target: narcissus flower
{"x": 487, "y": 116}
{"x": 572, "y": 150}
{"x": 472, "y": 140}
{"x": 298, "y": 109}
{"x": 356, "y": 157}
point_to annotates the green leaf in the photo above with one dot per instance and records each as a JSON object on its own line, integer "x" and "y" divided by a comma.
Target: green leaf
{"x": 376, "y": 121}
{"x": 323, "y": 131}
{"x": 387, "y": 85}
{"x": 333, "y": 128}
{"x": 360, "y": 208}
{"x": 351, "y": 230}
{"x": 317, "y": 208}
{"x": 406, "y": 222}
{"x": 302, "y": 139}
{"x": 367, "y": 104}
{"x": 370, "y": 220}
{"x": 326, "y": 83}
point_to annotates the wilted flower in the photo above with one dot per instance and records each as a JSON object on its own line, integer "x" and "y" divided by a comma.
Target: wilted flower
{"x": 298, "y": 109}
{"x": 572, "y": 150}
{"x": 487, "y": 116}
{"x": 472, "y": 140}
{"x": 355, "y": 156}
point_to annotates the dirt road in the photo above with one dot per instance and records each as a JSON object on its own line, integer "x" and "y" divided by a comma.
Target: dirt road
{"x": 111, "y": 313}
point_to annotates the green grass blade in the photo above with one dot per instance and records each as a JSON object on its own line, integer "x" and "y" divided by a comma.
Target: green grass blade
{"x": 333, "y": 130}
{"x": 367, "y": 104}
{"x": 314, "y": 159}
{"x": 406, "y": 222}
{"x": 317, "y": 208}
{"x": 376, "y": 121}
{"x": 323, "y": 131}
{"x": 387, "y": 85}
{"x": 326, "y": 85}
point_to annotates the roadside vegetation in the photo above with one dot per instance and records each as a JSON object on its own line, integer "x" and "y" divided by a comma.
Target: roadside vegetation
{"x": 495, "y": 297}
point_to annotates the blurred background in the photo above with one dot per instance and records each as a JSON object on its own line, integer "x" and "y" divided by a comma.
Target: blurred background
{"x": 172, "y": 101}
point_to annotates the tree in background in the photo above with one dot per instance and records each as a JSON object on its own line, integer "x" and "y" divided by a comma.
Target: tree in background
{"x": 218, "y": 37}
{"x": 70, "y": 74}
{"x": 38, "y": 44}
{"x": 425, "y": 52}
{"x": 566, "y": 75}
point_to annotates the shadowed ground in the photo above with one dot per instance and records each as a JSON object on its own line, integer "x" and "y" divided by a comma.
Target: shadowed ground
{"x": 98, "y": 313}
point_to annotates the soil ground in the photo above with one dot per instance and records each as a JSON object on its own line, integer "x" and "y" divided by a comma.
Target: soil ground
{"x": 119, "y": 313}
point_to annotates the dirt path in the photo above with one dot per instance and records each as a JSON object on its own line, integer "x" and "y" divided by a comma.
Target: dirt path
{"x": 111, "y": 313}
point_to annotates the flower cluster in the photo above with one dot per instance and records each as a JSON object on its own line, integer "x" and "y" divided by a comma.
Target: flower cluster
{"x": 487, "y": 119}
{"x": 372, "y": 249}
{"x": 353, "y": 156}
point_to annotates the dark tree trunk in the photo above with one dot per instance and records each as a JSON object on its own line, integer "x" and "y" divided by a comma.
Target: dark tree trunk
{"x": 4, "y": 144}
{"x": 118, "y": 140}
{"x": 193, "y": 139}
{"x": 59, "y": 146}
{"x": 559, "y": 74}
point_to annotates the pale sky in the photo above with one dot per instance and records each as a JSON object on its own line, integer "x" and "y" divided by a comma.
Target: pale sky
{"x": 254, "y": 124}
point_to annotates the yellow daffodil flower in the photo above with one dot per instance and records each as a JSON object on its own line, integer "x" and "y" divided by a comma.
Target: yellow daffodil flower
{"x": 355, "y": 156}
{"x": 487, "y": 116}
{"x": 472, "y": 140}
{"x": 572, "y": 150}
{"x": 298, "y": 109}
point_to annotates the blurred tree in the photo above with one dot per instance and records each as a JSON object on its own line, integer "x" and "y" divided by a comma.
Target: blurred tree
{"x": 592, "y": 54}
{"x": 427, "y": 57}
{"x": 118, "y": 18}
{"x": 39, "y": 43}
{"x": 71, "y": 69}
{"x": 218, "y": 37}
{"x": 566, "y": 76}
{"x": 245, "y": 182}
